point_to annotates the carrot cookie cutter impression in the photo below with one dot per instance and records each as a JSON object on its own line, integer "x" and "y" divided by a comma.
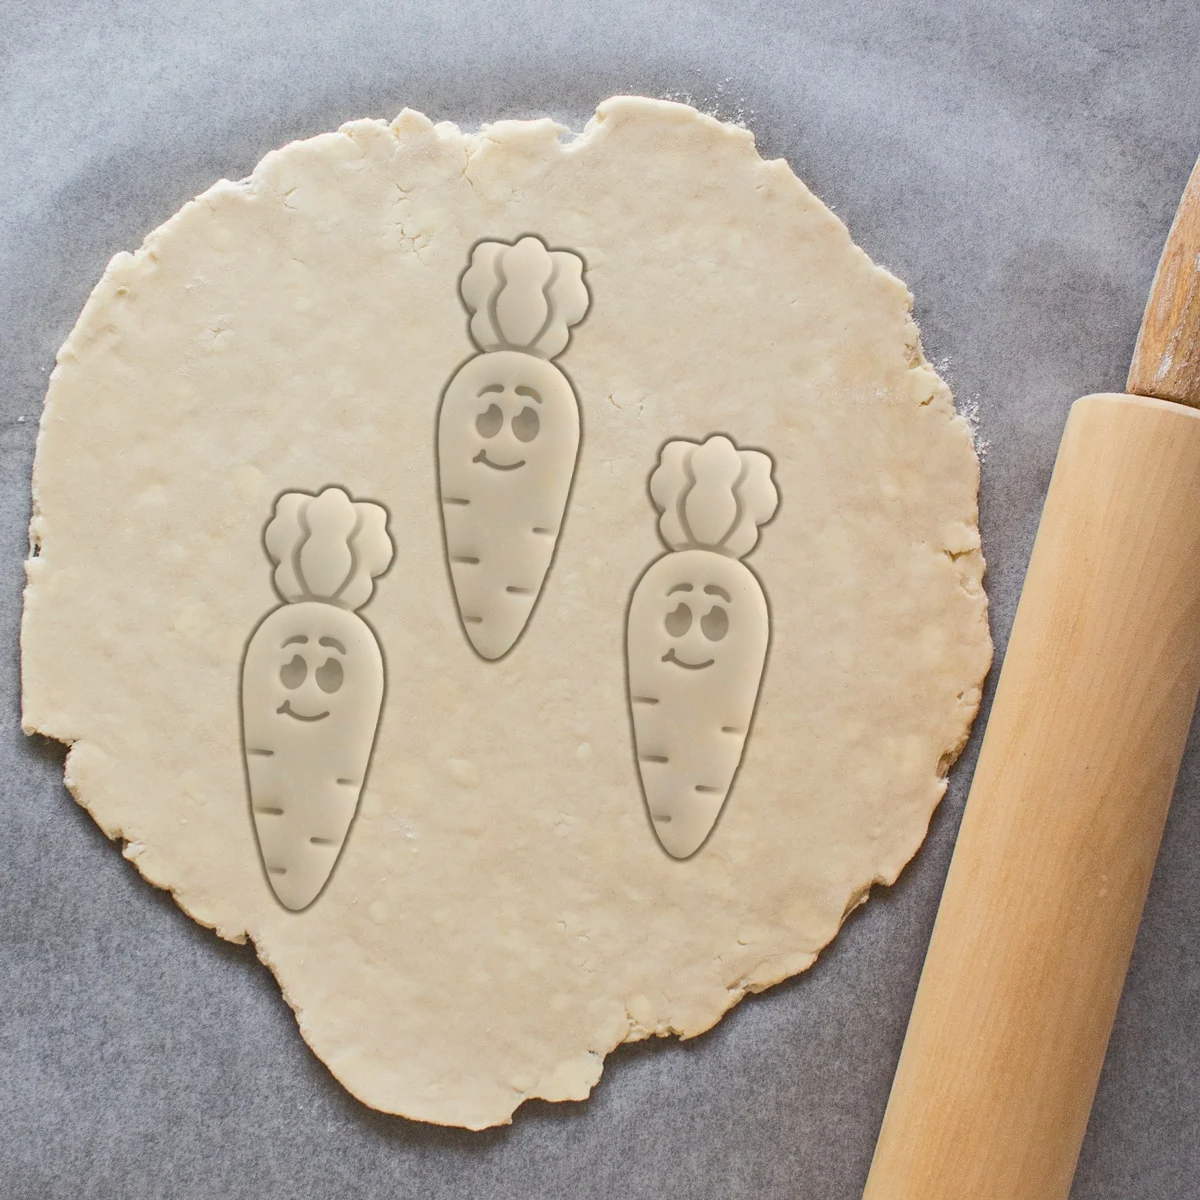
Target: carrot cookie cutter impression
{"x": 312, "y": 686}
{"x": 508, "y": 436}
{"x": 697, "y": 634}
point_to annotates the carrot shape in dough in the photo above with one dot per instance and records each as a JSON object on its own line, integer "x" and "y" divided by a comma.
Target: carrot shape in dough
{"x": 508, "y": 436}
{"x": 312, "y": 686}
{"x": 697, "y": 634}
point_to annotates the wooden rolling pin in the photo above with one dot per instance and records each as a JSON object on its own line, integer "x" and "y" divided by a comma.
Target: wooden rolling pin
{"x": 1050, "y": 873}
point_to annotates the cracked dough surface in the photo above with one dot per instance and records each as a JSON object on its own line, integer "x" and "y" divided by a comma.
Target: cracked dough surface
{"x": 503, "y": 916}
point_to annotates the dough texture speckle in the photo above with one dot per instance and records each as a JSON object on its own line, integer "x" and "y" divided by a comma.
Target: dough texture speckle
{"x": 502, "y": 915}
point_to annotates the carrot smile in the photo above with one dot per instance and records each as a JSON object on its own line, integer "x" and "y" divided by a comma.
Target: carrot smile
{"x": 670, "y": 657}
{"x": 482, "y": 457}
{"x": 286, "y": 707}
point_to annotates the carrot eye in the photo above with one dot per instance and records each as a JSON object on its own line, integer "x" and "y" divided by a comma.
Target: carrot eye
{"x": 715, "y": 623}
{"x": 293, "y": 674}
{"x": 526, "y": 425}
{"x": 679, "y": 621}
{"x": 329, "y": 677}
{"x": 488, "y": 423}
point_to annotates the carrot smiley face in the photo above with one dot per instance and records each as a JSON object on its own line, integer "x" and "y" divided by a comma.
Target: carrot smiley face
{"x": 508, "y": 436}
{"x": 312, "y": 686}
{"x": 697, "y": 635}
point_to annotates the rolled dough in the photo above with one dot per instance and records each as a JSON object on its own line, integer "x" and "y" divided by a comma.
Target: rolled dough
{"x": 502, "y": 915}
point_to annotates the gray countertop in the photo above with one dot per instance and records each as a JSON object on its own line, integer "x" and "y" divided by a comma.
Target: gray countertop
{"x": 1016, "y": 164}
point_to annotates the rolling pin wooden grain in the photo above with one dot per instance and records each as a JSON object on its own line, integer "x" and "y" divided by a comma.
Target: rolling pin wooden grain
{"x": 1058, "y": 841}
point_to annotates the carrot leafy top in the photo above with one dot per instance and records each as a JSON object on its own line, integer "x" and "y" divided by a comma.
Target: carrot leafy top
{"x": 524, "y": 297}
{"x": 712, "y": 495}
{"x": 327, "y": 547}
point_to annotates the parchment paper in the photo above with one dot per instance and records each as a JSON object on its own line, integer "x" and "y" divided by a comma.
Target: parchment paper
{"x": 1016, "y": 165}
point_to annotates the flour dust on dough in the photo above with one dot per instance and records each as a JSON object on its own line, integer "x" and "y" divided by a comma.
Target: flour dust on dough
{"x": 502, "y": 915}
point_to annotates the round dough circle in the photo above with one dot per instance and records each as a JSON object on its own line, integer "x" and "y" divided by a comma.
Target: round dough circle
{"x": 502, "y": 915}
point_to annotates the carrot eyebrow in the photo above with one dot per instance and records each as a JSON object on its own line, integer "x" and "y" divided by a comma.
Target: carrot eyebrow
{"x": 328, "y": 641}
{"x": 528, "y": 391}
{"x": 713, "y": 590}
{"x": 492, "y": 387}
{"x": 680, "y": 587}
{"x": 298, "y": 638}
